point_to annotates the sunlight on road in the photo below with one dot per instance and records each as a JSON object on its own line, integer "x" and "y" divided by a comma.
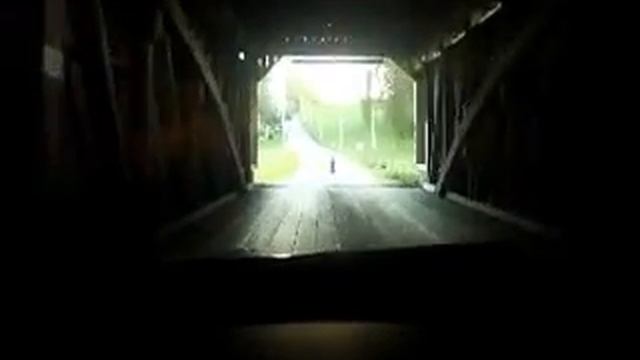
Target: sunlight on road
{"x": 315, "y": 162}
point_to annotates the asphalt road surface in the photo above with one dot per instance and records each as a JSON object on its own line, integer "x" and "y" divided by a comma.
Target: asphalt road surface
{"x": 308, "y": 219}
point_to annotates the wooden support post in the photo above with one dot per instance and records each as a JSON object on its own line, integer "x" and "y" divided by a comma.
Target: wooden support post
{"x": 487, "y": 87}
{"x": 436, "y": 113}
{"x": 180, "y": 20}
{"x": 167, "y": 71}
{"x": 420, "y": 103}
{"x": 243, "y": 81}
{"x": 431, "y": 124}
{"x": 253, "y": 127}
{"x": 153, "y": 107}
{"x": 153, "y": 116}
{"x": 443, "y": 112}
{"x": 251, "y": 110}
{"x": 93, "y": 51}
{"x": 168, "y": 111}
{"x": 53, "y": 66}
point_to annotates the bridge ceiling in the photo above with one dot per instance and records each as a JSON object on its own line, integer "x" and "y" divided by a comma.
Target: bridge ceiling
{"x": 351, "y": 26}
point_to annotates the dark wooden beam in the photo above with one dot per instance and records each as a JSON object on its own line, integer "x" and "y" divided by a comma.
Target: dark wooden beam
{"x": 442, "y": 104}
{"x": 433, "y": 159}
{"x": 487, "y": 87}
{"x": 253, "y": 127}
{"x": 346, "y": 60}
{"x": 181, "y": 22}
{"x": 421, "y": 119}
{"x": 428, "y": 119}
{"x": 91, "y": 37}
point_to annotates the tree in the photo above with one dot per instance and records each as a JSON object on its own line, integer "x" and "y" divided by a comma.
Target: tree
{"x": 395, "y": 90}
{"x": 268, "y": 110}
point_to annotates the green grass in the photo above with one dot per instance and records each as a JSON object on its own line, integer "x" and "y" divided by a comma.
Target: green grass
{"x": 393, "y": 157}
{"x": 391, "y": 160}
{"x": 342, "y": 128}
{"x": 276, "y": 162}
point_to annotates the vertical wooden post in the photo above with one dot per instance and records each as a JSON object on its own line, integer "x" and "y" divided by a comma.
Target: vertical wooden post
{"x": 153, "y": 107}
{"x": 53, "y": 82}
{"x": 253, "y": 106}
{"x": 250, "y": 107}
{"x": 174, "y": 117}
{"x": 243, "y": 87}
{"x": 432, "y": 158}
{"x": 151, "y": 112}
{"x": 420, "y": 117}
{"x": 93, "y": 52}
{"x": 168, "y": 108}
{"x": 181, "y": 22}
{"x": 437, "y": 110}
{"x": 442, "y": 104}
{"x": 139, "y": 125}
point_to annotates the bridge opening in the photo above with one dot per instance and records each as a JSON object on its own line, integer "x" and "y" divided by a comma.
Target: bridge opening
{"x": 336, "y": 120}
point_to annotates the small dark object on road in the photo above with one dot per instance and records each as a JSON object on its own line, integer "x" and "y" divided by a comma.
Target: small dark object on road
{"x": 332, "y": 166}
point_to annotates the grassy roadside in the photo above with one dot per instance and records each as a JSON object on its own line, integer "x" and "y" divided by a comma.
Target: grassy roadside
{"x": 393, "y": 157}
{"x": 342, "y": 129}
{"x": 276, "y": 162}
{"x": 389, "y": 161}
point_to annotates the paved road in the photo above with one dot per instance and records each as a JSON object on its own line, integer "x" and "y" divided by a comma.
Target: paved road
{"x": 315, "y": 163}
{"x": 309, "y": 219}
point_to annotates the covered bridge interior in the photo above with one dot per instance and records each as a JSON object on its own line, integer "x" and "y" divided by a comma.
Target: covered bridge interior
{"x": 143, "y": 124}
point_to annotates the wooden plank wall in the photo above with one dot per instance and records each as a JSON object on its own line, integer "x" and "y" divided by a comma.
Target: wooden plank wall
{"x": 506, "y": 160}
{"x": 133, "y": 132}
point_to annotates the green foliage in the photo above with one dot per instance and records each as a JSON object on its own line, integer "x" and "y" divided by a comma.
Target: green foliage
{"x": 393, "y": 159}
{"x": 347, "y": 128}
{"x": 393, "y": 156}
{"x": 269, "y": 127}
{"x": 398, "y": 106}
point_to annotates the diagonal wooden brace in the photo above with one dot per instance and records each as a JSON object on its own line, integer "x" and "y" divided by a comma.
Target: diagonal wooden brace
{"x": 489, "y": 84}
{"x": 180, "y": 20}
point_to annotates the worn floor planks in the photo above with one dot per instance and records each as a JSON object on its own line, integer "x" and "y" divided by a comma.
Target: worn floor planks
{"x": 300, "y": 220}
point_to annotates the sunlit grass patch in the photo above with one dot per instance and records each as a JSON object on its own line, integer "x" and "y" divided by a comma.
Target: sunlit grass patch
{"x": 389, "y": 162}
{"x": 276, "y": 162}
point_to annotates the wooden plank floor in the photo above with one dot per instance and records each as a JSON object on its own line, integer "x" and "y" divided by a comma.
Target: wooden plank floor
{"x": 311, "y": 219}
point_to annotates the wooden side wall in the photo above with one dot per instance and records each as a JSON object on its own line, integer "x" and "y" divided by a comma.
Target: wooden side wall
{"x": 129, "y": 136}
{"x": 517, "y": 154}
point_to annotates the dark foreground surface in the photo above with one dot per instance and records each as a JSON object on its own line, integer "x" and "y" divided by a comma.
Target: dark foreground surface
{"x": 354, "y": 272}
{"x": 369, "y": 305}
{"x": 299, "y": 220}
{"x": 370, "y": 273}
